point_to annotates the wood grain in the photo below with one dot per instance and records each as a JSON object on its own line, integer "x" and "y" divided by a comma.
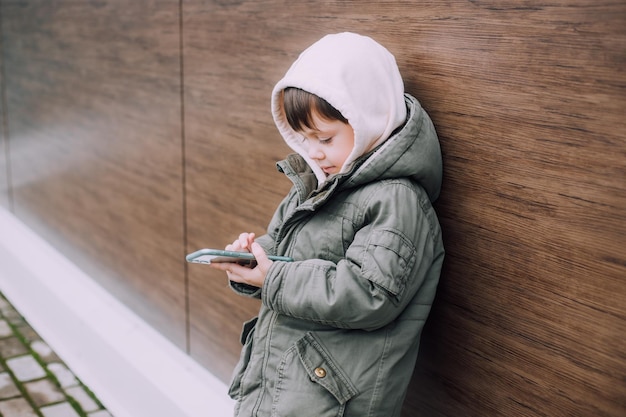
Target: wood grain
{"x": 4, "y": 146}
{"x": 530, "y": 316}
{"x": 93, "y": 90}
{"x": 231, "y": 150}
{"x": 529, "y": 102}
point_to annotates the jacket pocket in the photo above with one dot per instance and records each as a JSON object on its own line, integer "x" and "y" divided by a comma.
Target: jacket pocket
{"x": 310, "y": 382}
{"x": 247, "y": 334}
{"x": 389, "y": 259}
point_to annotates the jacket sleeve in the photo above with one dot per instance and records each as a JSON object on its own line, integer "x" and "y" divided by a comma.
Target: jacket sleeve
{"x": 268, "y": 243}
{"x": 384, "y": 266}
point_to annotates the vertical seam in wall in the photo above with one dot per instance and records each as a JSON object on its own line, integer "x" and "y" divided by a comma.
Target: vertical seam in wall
{"x": 183, "y": 174}
{"x": 5, "y": 123}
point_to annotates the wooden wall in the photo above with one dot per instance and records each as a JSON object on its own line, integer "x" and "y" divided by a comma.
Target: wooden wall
{"x": 140, "y": 131}
{"x": 94, "y": 123}
{"x": 4, "y": 180}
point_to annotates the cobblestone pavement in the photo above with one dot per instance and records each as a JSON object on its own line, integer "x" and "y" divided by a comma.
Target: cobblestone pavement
{"x": 34, "y": 381}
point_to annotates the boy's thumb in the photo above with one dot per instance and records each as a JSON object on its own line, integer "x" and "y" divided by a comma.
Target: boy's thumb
{"x": 259, "y": 253}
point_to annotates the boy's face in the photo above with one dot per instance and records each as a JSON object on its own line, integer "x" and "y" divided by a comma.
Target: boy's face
{"x": 329, "y": 144}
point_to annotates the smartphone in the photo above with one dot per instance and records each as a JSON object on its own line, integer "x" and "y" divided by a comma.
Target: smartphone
{"x": 207, "y": 256}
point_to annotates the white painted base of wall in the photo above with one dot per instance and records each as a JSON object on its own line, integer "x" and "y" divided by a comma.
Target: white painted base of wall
{"x": 132, "y": 369}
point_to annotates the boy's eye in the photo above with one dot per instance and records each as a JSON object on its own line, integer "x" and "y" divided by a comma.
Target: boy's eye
{"x": 306, "y": 139}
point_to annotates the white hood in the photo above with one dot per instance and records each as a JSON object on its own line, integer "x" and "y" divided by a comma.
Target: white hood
{"x": 358, "y": 77}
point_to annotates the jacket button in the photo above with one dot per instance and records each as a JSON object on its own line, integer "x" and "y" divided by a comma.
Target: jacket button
{"x": 320, "y": 372}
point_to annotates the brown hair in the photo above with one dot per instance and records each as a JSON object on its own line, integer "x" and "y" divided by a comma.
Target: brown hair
{"x": 300, "y": 105}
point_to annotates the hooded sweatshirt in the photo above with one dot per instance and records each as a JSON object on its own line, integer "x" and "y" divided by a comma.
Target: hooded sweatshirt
{"x": 338, "y": 329}
{"x": 372, "y": 98}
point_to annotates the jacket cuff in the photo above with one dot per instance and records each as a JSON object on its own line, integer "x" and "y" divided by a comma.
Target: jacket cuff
{"x": 245, "y": 289}
{"x": 271, "y": 291}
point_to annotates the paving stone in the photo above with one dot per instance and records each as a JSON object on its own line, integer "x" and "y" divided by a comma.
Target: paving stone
{"x": 82, "y": 398}
{"x": 5, "y": 329}
{"x": 28, "y": 332}
{"x": 24, "y": 382}
{"x": 12, "y": 346}
{"x": 41, "y": 348}
{"x": 45, "y": 353}
{"x": 4, "y": 304}
{"x": 7, "y": 386}
{"x": 17, "y": 407}
{"x": 101, "y": 413}
{"x": 65, "y": 377}
{"x": 12, "y": 316}
{"x": 26, "y": 368}
{"x": 59, "y": 410}
{"x": 45, "y": 356}
{"x": 44, "y": 392}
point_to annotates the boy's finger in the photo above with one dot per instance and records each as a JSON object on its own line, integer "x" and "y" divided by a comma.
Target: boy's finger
{"x": 243, "y": 240}
{"x": 259, "y": 253}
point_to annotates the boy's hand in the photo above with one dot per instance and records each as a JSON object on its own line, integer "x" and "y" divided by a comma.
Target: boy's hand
{"x": 243, "y": 243}
{"x": 246, "y": 275}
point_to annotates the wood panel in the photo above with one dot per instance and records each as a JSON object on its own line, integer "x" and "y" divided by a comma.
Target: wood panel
{"x": 231, "y": 150}
{"x": 4, "y": 145}
{"x": 529, "y": 103}
{"x": 95, "y": 127}
{"x": 531, "y": 316}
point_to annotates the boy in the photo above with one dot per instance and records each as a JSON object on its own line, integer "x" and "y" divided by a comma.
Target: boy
{"x": 339, "y": 328}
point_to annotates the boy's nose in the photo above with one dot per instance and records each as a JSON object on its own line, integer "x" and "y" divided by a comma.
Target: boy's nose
{"x": 315, "y": 153}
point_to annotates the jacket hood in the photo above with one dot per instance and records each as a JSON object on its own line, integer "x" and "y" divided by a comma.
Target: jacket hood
{"x": 412, "y": 152}
{"x": 357, "y": 76}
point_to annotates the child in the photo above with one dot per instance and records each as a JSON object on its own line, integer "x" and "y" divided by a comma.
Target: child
{"x": 339, "y": 328}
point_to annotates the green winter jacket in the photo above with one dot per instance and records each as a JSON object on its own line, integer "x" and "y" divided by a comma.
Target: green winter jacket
{"x": 339, "y": 328}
